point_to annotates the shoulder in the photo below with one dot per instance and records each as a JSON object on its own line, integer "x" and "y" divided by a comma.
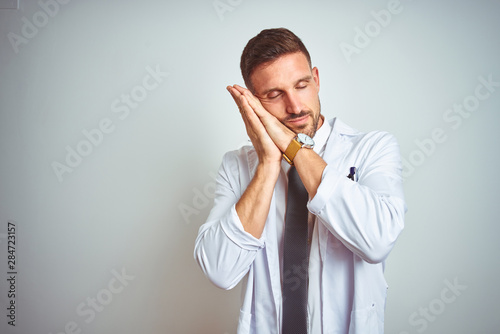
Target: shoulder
{"x": 348, "y": 133}
{"x": 240, "y": 161}
{"x": 238, "y": 167}
{"x": 349, "y": 144}
{"x": 241, "y": 155}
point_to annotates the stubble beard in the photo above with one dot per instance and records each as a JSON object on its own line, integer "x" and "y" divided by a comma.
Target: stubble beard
{"x": 310, "y": 131}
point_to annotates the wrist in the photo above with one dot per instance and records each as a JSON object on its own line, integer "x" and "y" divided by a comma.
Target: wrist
{"x": 287, "y": 139}
{"x": 297, "y": 143}
{"x": 268, "y": 169}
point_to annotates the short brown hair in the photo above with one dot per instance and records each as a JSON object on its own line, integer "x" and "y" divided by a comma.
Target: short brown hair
{"x": 267, "y": 46}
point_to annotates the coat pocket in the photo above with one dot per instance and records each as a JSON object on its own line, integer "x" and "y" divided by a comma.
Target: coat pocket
{"x": 367, "y": 321}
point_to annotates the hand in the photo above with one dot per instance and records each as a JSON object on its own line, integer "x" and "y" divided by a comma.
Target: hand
{"x": 279, "y": 133}
{"x": 266, "y": 149}
{"x": 270, "y": 137}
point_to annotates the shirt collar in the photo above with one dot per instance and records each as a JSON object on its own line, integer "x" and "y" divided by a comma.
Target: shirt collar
{"x": 321, "y": 136}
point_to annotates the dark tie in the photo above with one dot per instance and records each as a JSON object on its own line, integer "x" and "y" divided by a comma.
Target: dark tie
{"x": 295, "y": 257}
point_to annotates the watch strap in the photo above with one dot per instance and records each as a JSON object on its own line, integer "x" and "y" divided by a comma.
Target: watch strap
{"x": 291, "y": 150}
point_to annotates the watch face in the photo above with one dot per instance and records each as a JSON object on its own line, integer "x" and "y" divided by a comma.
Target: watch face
{"x": 305, "y": 140}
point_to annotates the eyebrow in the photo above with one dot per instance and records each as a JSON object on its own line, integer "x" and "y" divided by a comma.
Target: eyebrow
{"x": 306, "y": 78}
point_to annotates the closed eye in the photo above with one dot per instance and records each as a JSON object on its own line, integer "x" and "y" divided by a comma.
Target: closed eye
{"x": 274, "y": 94}
{"x": 303, "y": 84}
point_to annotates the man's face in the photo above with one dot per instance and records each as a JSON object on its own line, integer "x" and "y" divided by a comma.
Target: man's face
{"x": 288, "y": 88}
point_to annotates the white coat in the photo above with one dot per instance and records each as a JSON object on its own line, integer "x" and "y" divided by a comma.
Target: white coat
{"x": 359, "y": 223}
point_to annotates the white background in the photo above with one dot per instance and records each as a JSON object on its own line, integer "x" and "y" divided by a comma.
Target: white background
{"x": 120, "y": 208}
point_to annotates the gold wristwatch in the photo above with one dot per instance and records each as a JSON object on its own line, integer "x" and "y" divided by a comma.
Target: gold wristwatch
{"x": 300, "y": 141}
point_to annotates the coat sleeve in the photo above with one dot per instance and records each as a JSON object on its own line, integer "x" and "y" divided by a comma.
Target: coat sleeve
{"x": 223, "y": 249}
{"x": 368, "y": 215}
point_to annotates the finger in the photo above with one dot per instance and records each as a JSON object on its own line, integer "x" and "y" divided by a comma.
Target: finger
{"x": 268, "y": 120}
{"x": 253, "y": 119}
{"x": 253, "y": 101}
{"x": 247, "y": 110}
{"x": 249, "y": 117}
{"x": 254, "y": 128}
{"x": 235, "y": 95}
{"x": 253, "y": 113}
{"x": 246, "y": 92}
{"x": 258, "y": 108}
{"x": 240, "y": 89}
{"x": 233, "y": 91}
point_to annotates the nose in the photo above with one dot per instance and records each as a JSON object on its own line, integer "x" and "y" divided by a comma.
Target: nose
{"x": 293, "y": 104}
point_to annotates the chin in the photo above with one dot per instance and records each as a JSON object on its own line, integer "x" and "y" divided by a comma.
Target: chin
{"x": 307, "y": 129}
{"x": 310, "y": 133}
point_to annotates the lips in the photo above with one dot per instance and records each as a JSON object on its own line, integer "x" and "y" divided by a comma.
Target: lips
{"x": 298, "y": 121}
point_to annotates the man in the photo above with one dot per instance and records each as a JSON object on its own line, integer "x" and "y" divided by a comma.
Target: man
{"x": 354, "y": 200}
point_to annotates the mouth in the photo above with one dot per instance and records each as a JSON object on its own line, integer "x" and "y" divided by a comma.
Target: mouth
{"x": 298, "y": 121}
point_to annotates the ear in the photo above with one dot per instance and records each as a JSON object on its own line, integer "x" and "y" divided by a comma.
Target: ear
{"x": 315, "y": 74}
